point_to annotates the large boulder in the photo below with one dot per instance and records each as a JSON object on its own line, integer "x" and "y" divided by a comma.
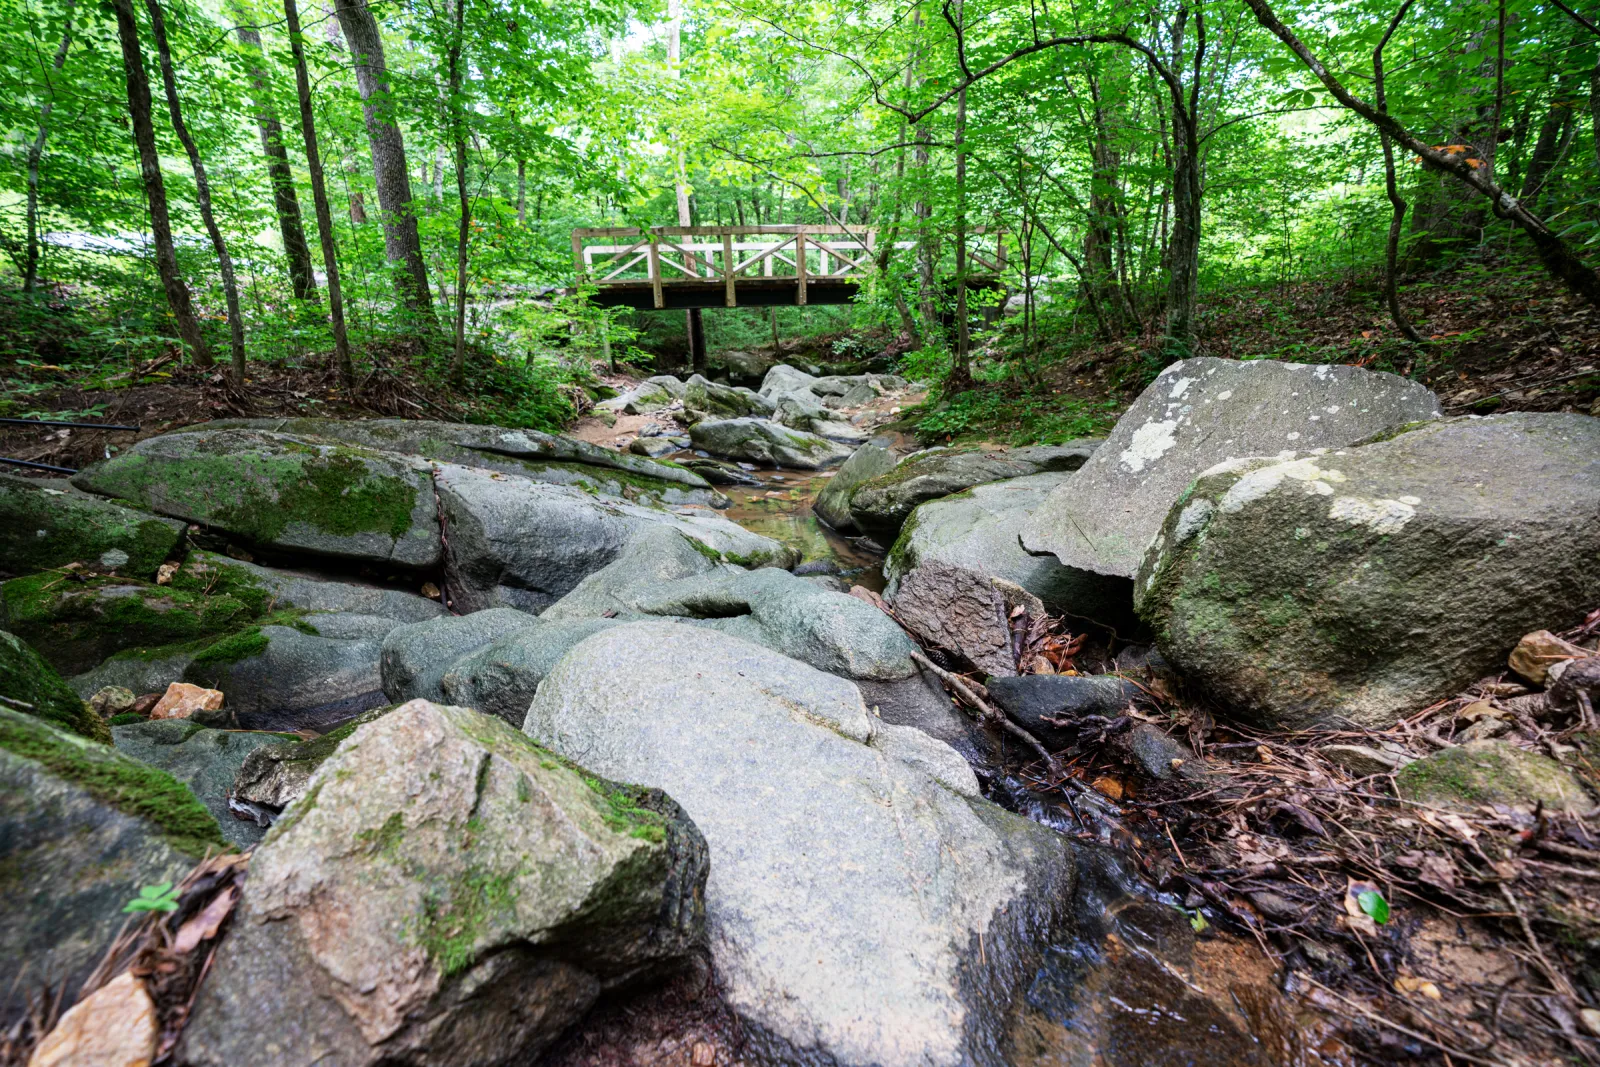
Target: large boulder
{"x": 31, "y": 685}
{"x": 865, "y": 904}
{"x": 273, "y": 776}
{"x": 882, "y": 505}
{"x": 542, "y": 457}
{"x": 205, "y": 760}
{"x": 979, "y": 529}
{"x": 46, "y": 523}
{"x": 867, "y": 462}
{"x": 831, "y": 631}
{"x": 273, "y": 588}
{"x": 644, "y": 398}
{"x": 281, "y": 491}
{"x": 761, "y": 441}
{"x": 708, "y": 400}
{"x": 416, "y": 656}
{"x": 1369, "y": 582}
{"x": 84, "y": 829}
{"x": 656, "y": 556}
{"x": 745, "y": 368}
{"x": 785, "y": 382}
{"x": 446, "y": 892}
{"x": 501, "y": 678}
{"x": 522, "y": 544}
{"x": 1198, "y": 413}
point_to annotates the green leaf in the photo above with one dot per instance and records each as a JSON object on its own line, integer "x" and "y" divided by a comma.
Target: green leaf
{"x": 1374, "y": 905}
{"x": 161, "y": 897}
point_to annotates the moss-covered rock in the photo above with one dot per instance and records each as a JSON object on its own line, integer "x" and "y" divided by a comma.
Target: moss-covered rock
{"x": 1369, "y": 582}
{"x": 473, "y": 892}
{"x": 25, "y": 678}
{"x": 205, "y": 760}
{"x": 48, "y": 523}
{"x": 77, "y": 622}
{"x": 1491, "y": 773}
{"x": 281, "y": 491}
{"x": 82, "y": 830}
{"x": 761, "y": 441}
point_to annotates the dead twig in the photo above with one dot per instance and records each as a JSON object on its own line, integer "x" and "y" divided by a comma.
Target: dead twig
{"x": 965, "y": 691}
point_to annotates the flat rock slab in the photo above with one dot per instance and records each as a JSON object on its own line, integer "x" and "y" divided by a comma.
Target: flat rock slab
{"x": 48, "y": 523}
{"x": 445, "y": 892}
{"x": 881, "y": 505}
{"x": 1367, "y": 583}
{"x": 1198, "y": 413}
{"x": 416, "y": 656}
{"x": 865, "y": 905}
{"x": 761, "y": 441}
{"x": 281, "y": 491}
{"x": 308, "y": 592}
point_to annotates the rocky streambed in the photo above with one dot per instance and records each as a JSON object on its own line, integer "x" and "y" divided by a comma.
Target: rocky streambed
{"x": 750, "y": 735}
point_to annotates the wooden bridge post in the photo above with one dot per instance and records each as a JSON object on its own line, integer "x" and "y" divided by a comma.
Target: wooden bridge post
{"x": 800, "y": 266}
{"x": 727, "y": 270}
{"x": 655, "y": 269}
{"x": 577, "y": 257}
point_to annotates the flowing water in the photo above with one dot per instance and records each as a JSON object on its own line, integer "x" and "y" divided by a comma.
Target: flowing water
{"x": 780, "y": 508}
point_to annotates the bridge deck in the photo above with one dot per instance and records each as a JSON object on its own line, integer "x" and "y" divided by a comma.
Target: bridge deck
{"x": 677, "y": 267}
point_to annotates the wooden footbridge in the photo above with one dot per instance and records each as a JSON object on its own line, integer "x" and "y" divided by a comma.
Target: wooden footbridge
{"x": 688, "y": 267}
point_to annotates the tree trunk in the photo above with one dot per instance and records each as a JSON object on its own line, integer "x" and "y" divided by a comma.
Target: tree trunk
{"x": 319, "y": 197}
{"x": 144, "y": 136}
{"x": 230, "y": 284}
{"x": 522, "y": 194}
{"x": 1391, "y": 264}
{"x": 960, "y": 370}
{"x": 401, "y": 241}
{"x": 458, "y": 134}
{"x": 279, "y": 175}
{"x": 1554, "y": 133}
{"x": 30, "y": 266}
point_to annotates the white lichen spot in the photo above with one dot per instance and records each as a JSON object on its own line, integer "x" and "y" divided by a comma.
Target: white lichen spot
{"x": 1293, "y": 436}
{"x": 1301, "y": 533}
{"x": 1332, "y": 409}
{"x": 1150, "y": 442}
{"x": 1324, "y": 371}
{"x": 1180, "y": 387}
{"x": 1381, "y": 516}
{"x": 1412, "y": 500}
{"x": 1258, "y": 483}
{"x": 1191, "y": 519}
{"x": 1225, "y": 394}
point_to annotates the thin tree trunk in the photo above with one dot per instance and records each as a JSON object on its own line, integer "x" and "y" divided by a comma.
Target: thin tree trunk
{"x": 402, "y": 243}
{"x": 230, "y": 284}
{"x": 319, "y": 197}
{"x": 144, "y": 136}
{"x": 960, "y": 370}
{"x": 458, "y": 133}
{"x": 522, "y": 194}
{"x": 30, "y": 266}
{"x": 279, "y": 174}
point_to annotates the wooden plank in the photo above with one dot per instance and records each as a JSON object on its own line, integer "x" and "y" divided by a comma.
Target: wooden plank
{"x": 800, "y": 267}
{"x": 655, "y": 271}
{"x": 727, "y": 270}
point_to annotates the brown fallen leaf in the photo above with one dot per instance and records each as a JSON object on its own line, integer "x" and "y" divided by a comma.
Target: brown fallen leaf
{"x": 204, "y": 925}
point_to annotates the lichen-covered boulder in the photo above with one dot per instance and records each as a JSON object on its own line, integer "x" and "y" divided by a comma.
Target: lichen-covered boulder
{"x": 274, "y": 588}
{"x": 1198, "y": 413}
{"x": 865, "y": 904}
{"x": 1492, "y": 773}
{"x": 82, "y": 830}
{"x": 761, "y": 441}
{"x": 833, "y": 503}
{"x": 978, "y": 530}
{"x": 30, "y": 684}
{"x": 881, "y": 505}
{"x": 1366, "y": 583}
{"x": 281, "y": 491}
{"x": 445, "y": 892}
{"x": 707, "y": 400}
{"x": 47, "y": 523}
{"x": 205, "y": 760}
{"x": 522, "y": 544}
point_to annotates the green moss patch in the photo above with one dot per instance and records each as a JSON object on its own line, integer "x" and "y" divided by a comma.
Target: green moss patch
{"x": 1491, "y": 772}
{"x": 127, "y": 785}
{"x": 454, "y": 916}
{"x": 26, "y": 678}
{"x": 43, "y": 526}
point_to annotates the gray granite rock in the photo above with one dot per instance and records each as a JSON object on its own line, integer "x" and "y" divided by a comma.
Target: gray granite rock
{"x": 657, "y": 556}
{"x": 707, "y": 400}
{"x": 1045, "y": 703}
{"x": 853, "y": 868}
{"x": 1366, "y": 583}
{"x": 761, "y": 441}
{"x": 414, "y": 658}
{"x": 205, "y": 760}
{"x": 307, "y": 591}
{"x": 501, "y": 678}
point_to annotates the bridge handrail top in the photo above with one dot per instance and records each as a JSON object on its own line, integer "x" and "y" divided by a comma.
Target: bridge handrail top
{"x": 738, "y": 231}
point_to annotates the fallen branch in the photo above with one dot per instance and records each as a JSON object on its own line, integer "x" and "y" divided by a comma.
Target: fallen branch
{"x": 963, "y": 690}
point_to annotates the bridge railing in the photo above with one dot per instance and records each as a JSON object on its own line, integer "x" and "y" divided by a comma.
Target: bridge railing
{"x": 669, "y": 256}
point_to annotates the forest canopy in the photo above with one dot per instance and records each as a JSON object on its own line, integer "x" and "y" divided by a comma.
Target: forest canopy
{"x": 344, "y": 185}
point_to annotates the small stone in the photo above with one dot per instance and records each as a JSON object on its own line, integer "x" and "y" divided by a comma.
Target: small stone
{"x": 705, "y": 1055}
{"x": 1536, "y": 653}
{"x": 1491, "y": 773}
{"x": 165, "y": 572}
{"x": 1591, "y": 1017}
{"x": 114, "y": 558}
{"x": 115, "y": 1026}
{"x": 145, "y": 704}
{"x": 113, "y": 700}
{"x": 181, "y": 700}
{"x": 430, "y": 591}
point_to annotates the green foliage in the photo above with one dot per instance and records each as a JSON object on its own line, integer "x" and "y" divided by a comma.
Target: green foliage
{"x": 161, "y": 897}
{"x": 1373, "y": 904}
